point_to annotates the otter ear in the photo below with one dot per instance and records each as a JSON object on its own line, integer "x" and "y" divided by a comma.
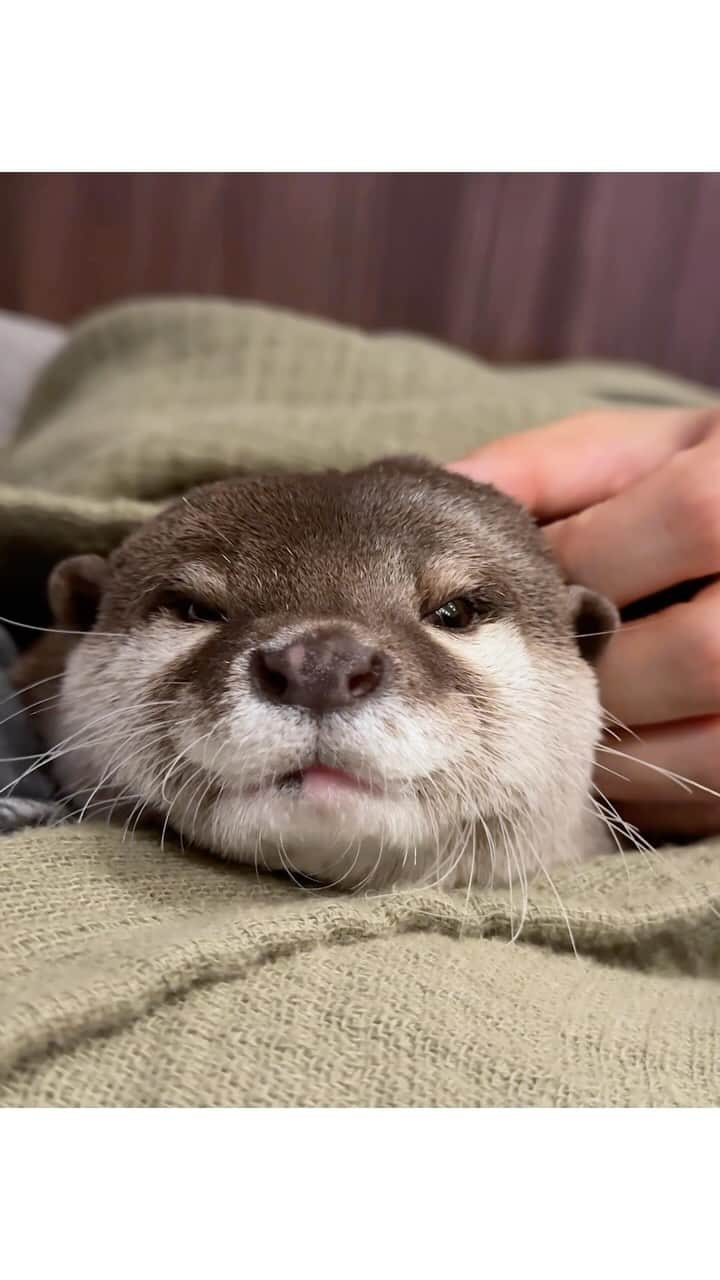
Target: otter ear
{"x": 595, "y": 620}
{"x": 74, "y": 590}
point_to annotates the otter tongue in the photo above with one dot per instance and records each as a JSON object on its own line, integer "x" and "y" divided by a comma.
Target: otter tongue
{"x": 320, "y": 777}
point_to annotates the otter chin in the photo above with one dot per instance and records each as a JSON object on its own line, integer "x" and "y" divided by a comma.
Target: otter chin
{"x": 365, "y": 678}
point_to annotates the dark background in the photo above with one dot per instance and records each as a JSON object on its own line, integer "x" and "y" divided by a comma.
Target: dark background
{"x": 512, "y": 266}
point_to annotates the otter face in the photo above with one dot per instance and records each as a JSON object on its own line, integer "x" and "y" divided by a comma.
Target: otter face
{"x": 360, "y": 678}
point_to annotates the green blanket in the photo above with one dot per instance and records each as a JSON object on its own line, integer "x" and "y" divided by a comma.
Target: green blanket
{"x": 131, "y": 976}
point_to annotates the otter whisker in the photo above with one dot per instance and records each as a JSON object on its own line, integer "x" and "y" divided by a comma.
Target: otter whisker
{"x": 17, "y": 693}
{"x": 204, "y": 792}
{"x": 97, "y": 804}
{"x": 620, "y": 724}
{"x": 60, "y": 748}
{"x": 29, "y": 710}
{"x": 524, "y": 887}
{"x": 287, "y": 865}
{"x": 157, "y": 729}
{"x": 606, "y": 769}
{"x": 199, "y": 771}
{"x": 611, "y": 827}
{"x": 337, "y": 884}
{"x": 643, "y": 846}
{"x": 470, "y": 881}
{"x": 58, "y": 631}
{"x": 687, "y": 784}
{"x": 558, "y": 899}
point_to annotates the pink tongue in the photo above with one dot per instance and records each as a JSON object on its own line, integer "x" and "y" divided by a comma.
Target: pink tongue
{"x": 321, "y": 776}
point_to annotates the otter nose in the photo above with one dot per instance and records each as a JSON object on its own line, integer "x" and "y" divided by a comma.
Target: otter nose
{"x": 322, "y": 672}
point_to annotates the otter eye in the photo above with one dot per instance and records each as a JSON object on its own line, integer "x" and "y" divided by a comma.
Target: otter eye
{"x": 455, "y": 615}
{"x": 195, "y": 612}
{"x": 187, "y": 610}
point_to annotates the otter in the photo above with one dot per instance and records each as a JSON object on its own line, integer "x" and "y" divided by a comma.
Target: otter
{"x": 366, "y": 678}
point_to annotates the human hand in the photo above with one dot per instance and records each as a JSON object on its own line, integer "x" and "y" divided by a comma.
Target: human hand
{"x": 630, "y": 501}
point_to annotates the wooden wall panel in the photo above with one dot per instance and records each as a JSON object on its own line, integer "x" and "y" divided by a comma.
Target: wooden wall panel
{"x": 512, "y": 266}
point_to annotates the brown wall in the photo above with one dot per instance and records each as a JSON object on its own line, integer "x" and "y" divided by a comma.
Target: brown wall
{"x": 513, "y": 266}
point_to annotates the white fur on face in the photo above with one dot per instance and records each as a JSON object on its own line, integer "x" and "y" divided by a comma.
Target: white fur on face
{"x": 447, "y": 781}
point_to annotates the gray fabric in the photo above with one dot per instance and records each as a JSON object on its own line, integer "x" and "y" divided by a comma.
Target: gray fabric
{"x": 26, "y": 345}
{"x": 25, "y": 797}
{"x": 17, "y": 736}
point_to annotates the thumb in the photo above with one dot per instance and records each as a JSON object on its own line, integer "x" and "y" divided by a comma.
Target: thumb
{"x": 569, "y": 465}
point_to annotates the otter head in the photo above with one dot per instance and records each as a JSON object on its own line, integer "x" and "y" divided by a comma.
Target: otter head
{"x": 362, "y": 678}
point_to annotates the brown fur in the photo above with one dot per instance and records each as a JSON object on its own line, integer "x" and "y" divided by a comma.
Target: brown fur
{"x": 374, "y": 551}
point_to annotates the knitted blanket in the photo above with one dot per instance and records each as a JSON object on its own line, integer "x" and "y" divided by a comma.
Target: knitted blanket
{"x": 135, "y": 976}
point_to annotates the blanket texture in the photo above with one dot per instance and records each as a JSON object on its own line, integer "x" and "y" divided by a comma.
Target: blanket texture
{"x": 132, "y": 975}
